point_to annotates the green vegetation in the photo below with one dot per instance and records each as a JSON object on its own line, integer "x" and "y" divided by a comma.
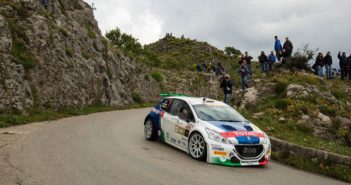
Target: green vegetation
{"x": 299, "y": 61}
{"x": 69, "y": 52}
{"x": 320, "y": 166}
{"x": 232, "y": 52}
{"x": 137, "y": 98}
{"x": 63, "y": 31}
{"x": 19, "y": 51}
{"x": 124, "y": 41}
{"x": 157, "y": 76}
{"x": 7, "y": 120}
{"x": 91, "y": 32}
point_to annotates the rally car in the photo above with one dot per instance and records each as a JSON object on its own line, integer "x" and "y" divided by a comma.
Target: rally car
{"x": 207, "y": 130}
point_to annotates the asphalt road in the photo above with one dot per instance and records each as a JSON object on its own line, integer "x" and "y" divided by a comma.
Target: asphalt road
{"x": 109, "y": 148}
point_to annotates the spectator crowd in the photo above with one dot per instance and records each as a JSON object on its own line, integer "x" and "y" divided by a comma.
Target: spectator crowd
{"x": 280, "y": 55}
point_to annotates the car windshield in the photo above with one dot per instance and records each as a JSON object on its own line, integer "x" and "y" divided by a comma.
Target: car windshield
{"x": 217, "y": 113}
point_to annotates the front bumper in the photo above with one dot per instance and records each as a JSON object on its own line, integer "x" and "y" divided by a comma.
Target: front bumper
{"x": 224, "y": 154}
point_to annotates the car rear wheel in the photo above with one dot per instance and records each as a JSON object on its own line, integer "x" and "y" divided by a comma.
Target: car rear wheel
{"x": 149, "y": 130}
{"x": 197, "y": 147}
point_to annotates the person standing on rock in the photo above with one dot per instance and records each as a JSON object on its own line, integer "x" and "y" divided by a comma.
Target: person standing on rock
{"x": 263, "y": 60}
{"x": 244, "y": 74}
{"x": 328, "y": 61}
{"x": 277, "y": 47}
{"x": 248, "y": 59}
{"x": 288, "y": 47}
{"x": 349, "y": 66}
{"x": 227, "y": 86}
{"x": 45, "y": 3}
{"x": 343, "y": 64}
{"x": 319, "y": 64}
{"x": 272, "y": 59}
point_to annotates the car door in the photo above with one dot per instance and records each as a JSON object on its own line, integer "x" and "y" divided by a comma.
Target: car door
{"x": 183, "y": 126}
{"x": 166, "y": 119}
{"x": 171, "y": 119}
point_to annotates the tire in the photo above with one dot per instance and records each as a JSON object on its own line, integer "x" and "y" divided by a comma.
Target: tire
{"x": 197, "y": 147}
{"x": 150, "y": 133}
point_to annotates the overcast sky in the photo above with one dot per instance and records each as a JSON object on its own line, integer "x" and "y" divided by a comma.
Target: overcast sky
{"x": 248, "y": 25}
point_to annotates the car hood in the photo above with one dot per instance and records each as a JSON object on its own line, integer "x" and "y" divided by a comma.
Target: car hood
{"x": 239, "y": 132}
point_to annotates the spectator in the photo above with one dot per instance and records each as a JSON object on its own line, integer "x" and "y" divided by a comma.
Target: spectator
{"x": 242, "y": 59}
{"x": 343, "y": 61}
{"x": 349, "y": 66}
{"x": 45, "y": 3}
{"x": 277, "y": 47}
{"x": 272, "y": 59}
{"x": 227, "y": 86}
{"x": 204, "y": 67}
{"x": 198, "y": 68}
{"x": 328, "y": 61}
{"x": 220, "y": 69}
{"x": 244, "y": 74}
{"x": 288, "y": 47}
{"x": 319, "y": 64}
{"x": 248, "y": 59}
{"x": 263, "y": 60}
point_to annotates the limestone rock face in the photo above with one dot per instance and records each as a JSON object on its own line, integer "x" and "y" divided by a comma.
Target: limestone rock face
{"x": 294, "y": 90}
{"x": 57, "y": 58}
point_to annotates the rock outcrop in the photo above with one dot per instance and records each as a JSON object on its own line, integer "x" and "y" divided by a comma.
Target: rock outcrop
{"x": 57, "y": 58}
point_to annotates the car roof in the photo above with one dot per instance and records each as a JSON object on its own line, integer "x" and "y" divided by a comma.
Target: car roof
{"x": 199, "y": 100}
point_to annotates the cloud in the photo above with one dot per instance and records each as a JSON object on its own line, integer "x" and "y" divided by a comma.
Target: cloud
{"x": 248, "y": 25}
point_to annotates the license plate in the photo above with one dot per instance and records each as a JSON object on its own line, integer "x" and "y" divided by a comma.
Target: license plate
{"x": 247, "y": 150}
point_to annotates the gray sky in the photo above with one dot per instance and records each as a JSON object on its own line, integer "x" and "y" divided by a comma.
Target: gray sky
{"x": 248, "y": 25}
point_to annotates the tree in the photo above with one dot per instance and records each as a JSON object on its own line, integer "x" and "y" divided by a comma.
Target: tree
{"x": 231, "y": 51}
{"x": 124, "y": 41}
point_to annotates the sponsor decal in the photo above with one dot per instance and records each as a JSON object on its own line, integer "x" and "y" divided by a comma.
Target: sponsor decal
{"x": 162, "y": 114}
{"x": 188, "y": 127}
{"x": 217, "y": 148}
{"x": 167, "y": 135}
{"x": 181, "y": 131}
{"x": 220, "y": 153}
{"x": 242, "y": 133}
{"x": 179, "y": 142}
{"x": 173, "y": 140}
{"x": 155, "y": 111}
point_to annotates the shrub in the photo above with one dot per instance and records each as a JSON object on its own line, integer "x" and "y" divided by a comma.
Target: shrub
{"x": 338, "y": 93}
{"x": 310, "y": 99}
{"x": 19, "y": 51}
{"x": 91, "y": 32}
{"x": 63, "y": 31}
{"x": 281, "y": 103}
{"x": 157, "y": 76}
{"x": 281, "y": 86}
{"x": 69, "y": 52}
{"x": 327, "y": 110}
{"x": 136, "y": 98}
{"x": 299, "y": 61}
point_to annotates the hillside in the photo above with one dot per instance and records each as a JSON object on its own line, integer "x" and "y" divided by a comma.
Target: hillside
{"x": 56, "y": 58}
{"x": 183, "y": 53}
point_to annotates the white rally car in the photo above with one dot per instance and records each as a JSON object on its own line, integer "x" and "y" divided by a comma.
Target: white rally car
{"x": 208, "y": 130}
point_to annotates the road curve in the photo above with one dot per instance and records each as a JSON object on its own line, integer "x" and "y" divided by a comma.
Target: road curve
{"x": 109, "y": 148}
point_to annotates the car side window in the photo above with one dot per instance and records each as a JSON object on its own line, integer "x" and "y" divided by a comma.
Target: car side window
{"x": 176, "y": 106}
{"x": 181, "y": 109}
{"x": 185, "y": 113}
{"x": 166, "y": 104}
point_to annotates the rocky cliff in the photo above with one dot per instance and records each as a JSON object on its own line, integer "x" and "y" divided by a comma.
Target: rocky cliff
{"x": 56, "y": 58}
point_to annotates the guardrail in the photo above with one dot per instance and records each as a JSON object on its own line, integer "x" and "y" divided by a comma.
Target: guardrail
{"x": 294, "y": 149}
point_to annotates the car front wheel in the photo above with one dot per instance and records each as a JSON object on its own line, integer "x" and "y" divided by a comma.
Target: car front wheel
{"x": 197, "y": 147}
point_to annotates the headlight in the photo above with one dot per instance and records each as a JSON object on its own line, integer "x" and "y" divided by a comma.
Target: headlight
{"x": 217, "y": 136}
{"x": 266, "y": 139}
